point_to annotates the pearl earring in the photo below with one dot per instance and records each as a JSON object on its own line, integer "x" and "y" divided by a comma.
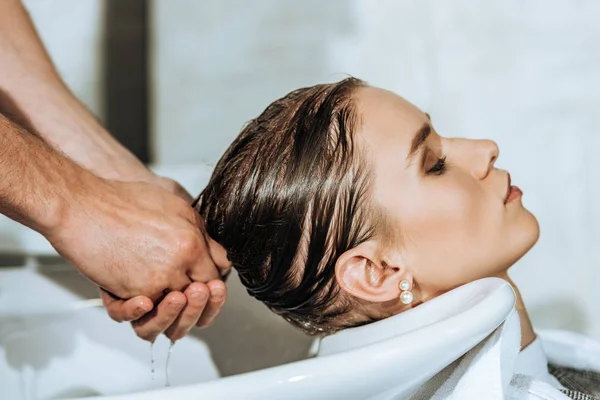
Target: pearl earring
{"x": 406, "y": 296}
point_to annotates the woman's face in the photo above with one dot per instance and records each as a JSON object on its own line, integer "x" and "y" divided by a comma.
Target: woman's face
{"x": 454, "y": 214}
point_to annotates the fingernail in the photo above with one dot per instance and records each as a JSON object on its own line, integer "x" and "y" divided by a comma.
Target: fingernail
{"x": 201, "y": 296}
{"x": 142, "y": 309}
{"x": 217, "y": 294}
{"x": 139, "y": 312}
{"x": 175, "y": 306}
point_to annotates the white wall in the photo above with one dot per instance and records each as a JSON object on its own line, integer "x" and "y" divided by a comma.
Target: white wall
{"x": 522, "y": 73}
{"x": 219, "y": 63}
{"x": 73, "y": 33}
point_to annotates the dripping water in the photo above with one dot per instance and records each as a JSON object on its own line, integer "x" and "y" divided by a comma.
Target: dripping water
{"x": 152, "y": 370}
{"x": 167, "y": 383}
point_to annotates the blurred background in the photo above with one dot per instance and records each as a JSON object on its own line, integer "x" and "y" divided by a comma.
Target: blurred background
{"x": 176, "y": 79}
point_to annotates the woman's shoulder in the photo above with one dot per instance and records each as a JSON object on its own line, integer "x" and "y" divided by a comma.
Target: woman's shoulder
{"x": 580, "y": 384}
{"x": 571, "y": 350}
{"x": 574, "y": 360}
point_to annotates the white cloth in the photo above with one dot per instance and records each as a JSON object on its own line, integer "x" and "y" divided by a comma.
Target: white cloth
{"x": 572, "y": 350}
{"x": 492, "y": 370}
{"x": 532, "y": 362}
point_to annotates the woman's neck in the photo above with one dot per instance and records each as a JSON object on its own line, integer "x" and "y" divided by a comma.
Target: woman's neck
{"x": 527, "y": 333}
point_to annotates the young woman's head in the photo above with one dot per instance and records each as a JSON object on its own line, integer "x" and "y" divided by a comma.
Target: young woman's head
{"x": 338, "y": 192}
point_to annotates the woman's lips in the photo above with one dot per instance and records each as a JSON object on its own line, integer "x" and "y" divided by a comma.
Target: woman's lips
{"x": 513, "y": 194}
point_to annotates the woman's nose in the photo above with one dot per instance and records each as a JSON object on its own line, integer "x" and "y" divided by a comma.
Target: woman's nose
{"x": 486, "y": 152}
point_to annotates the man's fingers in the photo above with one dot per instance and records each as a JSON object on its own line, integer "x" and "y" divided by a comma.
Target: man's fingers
{"x": 112, "y": 305}
{"x": 218, "y": 294}
{"x": 197, "y": 295}
{"x": 216, "y": 251}
{"x": 218, "y": 254}
{"x": 213, "y": 255}
{"x": 126, "y": 310}
{"x": 156, "y": 322}
{"x": 203, "y": 268}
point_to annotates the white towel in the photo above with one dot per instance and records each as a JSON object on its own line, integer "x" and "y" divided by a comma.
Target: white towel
{"x": 572, "y": 350}
{"x": 488, "y": 371}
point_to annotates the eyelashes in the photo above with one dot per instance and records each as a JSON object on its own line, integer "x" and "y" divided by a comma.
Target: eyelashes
{"x": 438, "y": 168}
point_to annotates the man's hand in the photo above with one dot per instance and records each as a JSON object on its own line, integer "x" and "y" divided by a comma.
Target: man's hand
{"x": 178, "y": 312}
{"x": 204, "y": 302}
{"x": 132, "y": 239}
{"x": 139, "y": 241}
{"x": 175, "y": 315}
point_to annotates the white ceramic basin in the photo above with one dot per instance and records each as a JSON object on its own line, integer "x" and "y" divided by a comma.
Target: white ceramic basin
{"x": 54, "y": 345}
{"x": 389, "y": 359}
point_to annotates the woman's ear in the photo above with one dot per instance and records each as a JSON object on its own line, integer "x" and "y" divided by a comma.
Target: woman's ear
{"x": 362, "y": 273}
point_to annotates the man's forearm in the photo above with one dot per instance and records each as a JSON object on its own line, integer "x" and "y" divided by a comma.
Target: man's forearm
{"x": 36, "y": 181}
{"x": 31, "y": 81}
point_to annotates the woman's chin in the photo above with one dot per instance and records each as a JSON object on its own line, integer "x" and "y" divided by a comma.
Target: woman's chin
{"x": 526, "y": 231}
{"x": 526, "y": 238}
{"x": 533, "y": 229}
{"x": 522, "y": 239}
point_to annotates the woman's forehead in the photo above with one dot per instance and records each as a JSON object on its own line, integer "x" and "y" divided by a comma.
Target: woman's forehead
{"x": 387, "y": 119}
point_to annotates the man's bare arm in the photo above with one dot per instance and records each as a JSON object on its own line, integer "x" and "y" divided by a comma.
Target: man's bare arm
{"x": 35, "y": 180}
{"x": 29, "y": 78}
{"x": 30, "y": 82}
{"x": 130, "y": 238}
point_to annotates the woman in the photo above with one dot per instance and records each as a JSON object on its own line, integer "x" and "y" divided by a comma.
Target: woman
{"x": 341, "y": 205}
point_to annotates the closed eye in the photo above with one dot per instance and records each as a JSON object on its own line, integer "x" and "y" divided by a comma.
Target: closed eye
{"x": 438, "y": 168}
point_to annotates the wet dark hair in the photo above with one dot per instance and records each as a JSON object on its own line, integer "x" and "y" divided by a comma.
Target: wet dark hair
{"x": 288, "y": 198}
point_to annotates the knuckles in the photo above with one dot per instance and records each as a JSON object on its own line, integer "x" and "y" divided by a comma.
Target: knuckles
{"x": 186, "y": 247}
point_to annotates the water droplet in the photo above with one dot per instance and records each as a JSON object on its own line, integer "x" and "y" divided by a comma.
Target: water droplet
{"x": 167, "y": 383}
{"x": 152, "y": 370}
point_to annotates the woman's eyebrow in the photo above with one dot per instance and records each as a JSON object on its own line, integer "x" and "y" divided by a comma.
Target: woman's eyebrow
{"x": 418, "y": 141}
